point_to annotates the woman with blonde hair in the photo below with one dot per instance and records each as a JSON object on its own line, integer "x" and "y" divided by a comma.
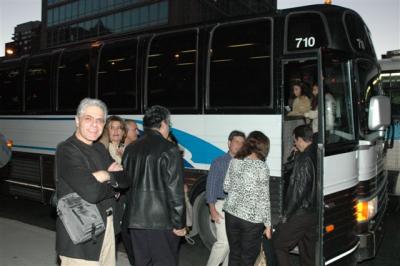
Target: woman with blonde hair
{"x": 113, "y": 137}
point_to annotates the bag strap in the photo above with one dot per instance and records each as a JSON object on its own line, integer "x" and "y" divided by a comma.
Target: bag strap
{"x": 93, "y": 231}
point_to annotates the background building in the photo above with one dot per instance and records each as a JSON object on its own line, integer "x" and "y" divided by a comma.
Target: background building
{"x": 26, "y": 39}
{"x": 66, "y": 21}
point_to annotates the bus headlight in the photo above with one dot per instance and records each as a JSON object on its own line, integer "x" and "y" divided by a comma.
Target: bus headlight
{"x": 366, "y": 209}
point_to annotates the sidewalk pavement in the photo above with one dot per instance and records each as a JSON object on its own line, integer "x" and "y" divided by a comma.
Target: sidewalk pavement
{"x": 26, "y": 245}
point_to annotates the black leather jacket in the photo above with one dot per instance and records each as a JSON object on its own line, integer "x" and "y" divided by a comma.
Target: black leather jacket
{"x": 301, "y": 192}
{"x": 155, "y": 199}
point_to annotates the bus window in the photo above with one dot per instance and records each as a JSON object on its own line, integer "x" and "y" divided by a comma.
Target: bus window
{"x": 171, "y": 70}
{"x": 10, "y": 89}
{"x": 369, "y": 86}
{"x": 240, "y": 66}
{"x": 339, "y": 123}
{"x": 117, "y": 75}
{"x": 37, "y": 84}
{"x": 305, "y": 31}
{"x": 73, "y": 78}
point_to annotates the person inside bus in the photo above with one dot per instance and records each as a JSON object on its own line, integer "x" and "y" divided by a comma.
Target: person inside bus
{"x": 298, "y": 224}
{"x": 247, "y": 206}
{"x": 215, "y": 197}
{"x": 299, "y": 101}
{"x": 84, "y": 166}
{"x": 132, "y": 132}
{"x": 313, "y": 113}
{"x": 113, "y": 137}
{"x": 330, "y": 109}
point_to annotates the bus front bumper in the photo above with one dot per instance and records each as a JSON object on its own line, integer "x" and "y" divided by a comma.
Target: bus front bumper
{"x": 369, "y": 243}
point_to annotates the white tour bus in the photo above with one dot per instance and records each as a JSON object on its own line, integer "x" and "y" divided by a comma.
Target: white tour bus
{"x": 216, "y": 77}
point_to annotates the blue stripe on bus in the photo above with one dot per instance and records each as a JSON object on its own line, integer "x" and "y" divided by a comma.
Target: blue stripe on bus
{"x": 198, "y": 147}
{"x": 34, "y": 147}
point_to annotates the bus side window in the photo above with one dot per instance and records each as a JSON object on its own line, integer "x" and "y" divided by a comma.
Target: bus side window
{"x": 73, "y": 78}
{"x": 37, "y": 84}
{"x": 10, "y": 89}
{"x": 240, "y": 66}
{"x": 171, "y": 70}
{"x": 117, "y": 75}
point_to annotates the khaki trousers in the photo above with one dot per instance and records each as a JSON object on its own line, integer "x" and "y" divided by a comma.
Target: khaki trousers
{"x": 107, "y": 253}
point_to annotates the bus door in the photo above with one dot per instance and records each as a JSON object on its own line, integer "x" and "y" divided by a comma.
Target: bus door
{"x": 338, "y": 147}
{"x": 336, "y": 153}
{"x": 303, "y": 71}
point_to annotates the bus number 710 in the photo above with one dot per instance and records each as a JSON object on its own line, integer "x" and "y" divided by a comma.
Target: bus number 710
{"x": 308, "y": 42}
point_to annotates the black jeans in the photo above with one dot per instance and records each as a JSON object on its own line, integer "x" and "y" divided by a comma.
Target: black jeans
{"x": 155, "y": 247}
{"x": 299, "y": 230}
{"x": 244, "y": 240}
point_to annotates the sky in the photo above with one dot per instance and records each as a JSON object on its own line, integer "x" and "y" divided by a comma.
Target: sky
{"x": 381, "y": 16}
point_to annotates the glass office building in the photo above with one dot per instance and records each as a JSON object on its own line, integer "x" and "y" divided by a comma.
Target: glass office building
{"x": 66, "y": 21}
{"x": 74, "y": 20}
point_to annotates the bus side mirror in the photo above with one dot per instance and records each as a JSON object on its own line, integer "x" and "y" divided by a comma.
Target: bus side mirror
{"x": 379, "y": 114}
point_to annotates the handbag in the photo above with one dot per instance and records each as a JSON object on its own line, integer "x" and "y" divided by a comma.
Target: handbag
{"x": 81, "y": 219}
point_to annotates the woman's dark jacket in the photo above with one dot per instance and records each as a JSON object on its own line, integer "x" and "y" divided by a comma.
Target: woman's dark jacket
{"x": 155, "y": 199}
{"x": 301, "y": 192}
{"x": 75, "y": 163}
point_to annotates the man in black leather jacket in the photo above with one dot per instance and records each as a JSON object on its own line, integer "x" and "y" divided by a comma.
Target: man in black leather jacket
{"x": 299, "y": 221}
{"x": 156, "y": 205}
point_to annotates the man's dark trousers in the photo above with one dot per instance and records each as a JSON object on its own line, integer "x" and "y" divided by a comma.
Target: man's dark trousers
{"x": 155, "y": 247}
{"x": 298, "y": 230}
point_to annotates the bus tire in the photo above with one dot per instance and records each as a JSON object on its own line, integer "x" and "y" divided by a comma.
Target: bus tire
{"x": 206, "y": 227}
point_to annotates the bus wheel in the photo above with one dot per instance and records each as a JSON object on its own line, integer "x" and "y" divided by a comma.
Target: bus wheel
{"x": 206, "y": 227}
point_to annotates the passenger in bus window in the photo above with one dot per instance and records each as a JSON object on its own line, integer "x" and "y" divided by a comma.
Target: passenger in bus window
{"x": 113, "y": 137}
{"x": 313, "y": 113}
{"x": 156, "y": 209}
{"x": 330, "y": 109}
{"x": 299, "y": 220}
{"x": 84, "y": 166}
{"x": 215, "y": 197}
{"x": 299, "y": 101}
{"x": 247, "y": 206}
{"x": 132, "y": 132}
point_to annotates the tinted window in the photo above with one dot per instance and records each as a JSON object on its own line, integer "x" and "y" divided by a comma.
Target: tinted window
{"x": 369, "y": 86}
{"x": 73, "y": 78}
{"x": 240, "y": 66}
{"x": 305, "y": 31}
{"x": 171, "y": 78}
{"x": 10, "y": 88}
{"x": 358, "y": 33}
{"x": 37, "y": 84}
{"x": 117, "y": 75}
{"x": 339, "y": 123}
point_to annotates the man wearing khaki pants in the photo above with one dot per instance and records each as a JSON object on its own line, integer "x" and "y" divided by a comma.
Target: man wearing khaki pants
{"x": 216, "y": 197}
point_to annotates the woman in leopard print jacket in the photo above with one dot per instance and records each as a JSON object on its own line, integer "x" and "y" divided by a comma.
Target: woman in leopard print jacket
{"x": 247, "y": 206}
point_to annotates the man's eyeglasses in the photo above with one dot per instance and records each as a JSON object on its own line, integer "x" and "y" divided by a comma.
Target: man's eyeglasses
{"x": 90, "y": 119}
